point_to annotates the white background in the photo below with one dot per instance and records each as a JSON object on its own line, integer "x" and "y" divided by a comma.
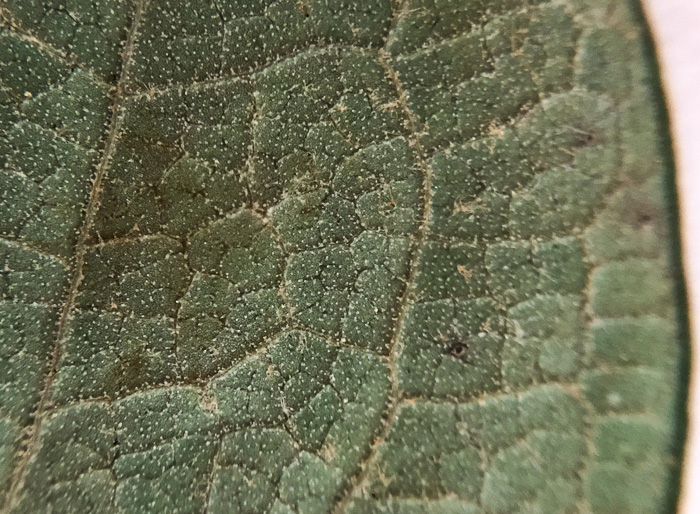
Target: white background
{"x": 675, "y": 26}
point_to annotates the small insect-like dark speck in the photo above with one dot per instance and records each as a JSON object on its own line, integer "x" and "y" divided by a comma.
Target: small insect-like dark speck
{"x": 458, "y": 350}
{"x": 455, "y": 343}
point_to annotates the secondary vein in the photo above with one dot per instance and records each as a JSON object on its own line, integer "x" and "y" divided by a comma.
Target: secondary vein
{"x": 44, "y": 404}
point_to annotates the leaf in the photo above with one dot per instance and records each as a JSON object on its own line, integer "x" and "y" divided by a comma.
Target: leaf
{"x": 336, "y": 256}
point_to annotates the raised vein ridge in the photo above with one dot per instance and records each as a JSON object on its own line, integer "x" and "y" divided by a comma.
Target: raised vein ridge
{"x": 44, "y": 404}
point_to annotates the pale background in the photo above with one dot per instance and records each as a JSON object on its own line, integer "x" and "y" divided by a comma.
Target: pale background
{"x": 675, "y": 26}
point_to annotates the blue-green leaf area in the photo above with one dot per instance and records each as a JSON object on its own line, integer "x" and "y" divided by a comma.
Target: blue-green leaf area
{"x": 327, "y": 256}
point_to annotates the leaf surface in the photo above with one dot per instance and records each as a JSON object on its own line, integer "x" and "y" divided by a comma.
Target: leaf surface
{"x": 335, "y": 256}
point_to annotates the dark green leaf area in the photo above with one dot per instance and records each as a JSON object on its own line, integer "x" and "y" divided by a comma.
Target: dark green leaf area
{"x": 281, "y": 430}
{"x": 330, "y": 256}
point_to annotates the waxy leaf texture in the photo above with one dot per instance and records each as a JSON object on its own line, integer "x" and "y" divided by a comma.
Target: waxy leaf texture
{"x": 363, "y": 256}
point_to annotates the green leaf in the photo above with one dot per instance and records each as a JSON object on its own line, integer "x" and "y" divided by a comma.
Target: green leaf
{"x": 318, "y": 255}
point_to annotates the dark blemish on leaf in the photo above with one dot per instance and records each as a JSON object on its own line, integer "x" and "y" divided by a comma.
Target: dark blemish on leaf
{"x": 643, "y": 218}
{"x": 455, "y": 343}
{"x": 458, "y": 350}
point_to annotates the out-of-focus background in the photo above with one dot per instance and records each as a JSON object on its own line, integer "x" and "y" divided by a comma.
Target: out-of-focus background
{"x": 675, "y": 27}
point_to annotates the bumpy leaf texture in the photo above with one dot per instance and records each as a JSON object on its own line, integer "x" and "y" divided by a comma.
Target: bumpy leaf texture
{"x": 329, "y": 255}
